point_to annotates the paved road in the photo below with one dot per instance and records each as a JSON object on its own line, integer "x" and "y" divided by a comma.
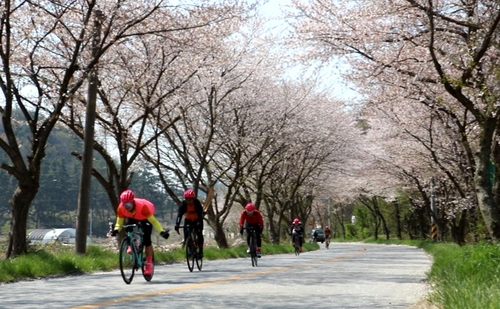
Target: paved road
{"x": 348, "y": 275}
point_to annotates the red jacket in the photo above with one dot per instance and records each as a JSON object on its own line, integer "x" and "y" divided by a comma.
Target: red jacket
{"x": 255, "y": 218}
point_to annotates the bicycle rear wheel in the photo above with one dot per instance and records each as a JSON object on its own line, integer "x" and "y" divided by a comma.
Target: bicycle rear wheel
{"x": 190, "y": 254}
{"x": 128, "y": 261}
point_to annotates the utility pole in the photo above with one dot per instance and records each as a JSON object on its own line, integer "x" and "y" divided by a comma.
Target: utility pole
{"x": 329, "y": 210}
{"x": 88, "y": 145}
{"x": 434, "y": 226}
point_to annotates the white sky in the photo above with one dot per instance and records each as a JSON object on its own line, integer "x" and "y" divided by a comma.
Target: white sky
{"x": 330, "y": 74}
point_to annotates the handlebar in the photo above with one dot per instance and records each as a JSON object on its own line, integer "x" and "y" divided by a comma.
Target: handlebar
{"x": 190, "y": 225}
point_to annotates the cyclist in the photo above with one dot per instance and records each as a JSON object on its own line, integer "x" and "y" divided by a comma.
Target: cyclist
{"x": 137, "y": 210}
{"x": 192, "y": 210}
{"x": 327, "y": 233}
{"x": 297, "y": 232}
{"x": 252, "y": 217}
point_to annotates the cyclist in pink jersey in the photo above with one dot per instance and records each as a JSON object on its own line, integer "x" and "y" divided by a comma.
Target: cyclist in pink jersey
{"x": 139, "y": 210}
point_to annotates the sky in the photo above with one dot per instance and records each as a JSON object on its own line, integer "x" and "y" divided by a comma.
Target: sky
{"x": 330, "y": 74}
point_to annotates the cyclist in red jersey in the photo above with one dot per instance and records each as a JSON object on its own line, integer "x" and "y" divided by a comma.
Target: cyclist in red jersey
{"x": 328, "y": 233}
{"x": 192, "y": 210}
{"x": 252, "y": 217}
{"x": 139, "y": 210}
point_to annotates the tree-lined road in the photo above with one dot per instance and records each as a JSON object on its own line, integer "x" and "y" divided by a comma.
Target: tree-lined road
{"x": 348, "y": 275}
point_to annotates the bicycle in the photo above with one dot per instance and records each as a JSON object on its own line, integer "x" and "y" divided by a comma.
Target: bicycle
{"x": 296, "y": 243}
{"x": 327, "y": 243}
{"x": 134, "y": 258}
{"x": 192, "y": 249}
{"x": 253, "y": 245}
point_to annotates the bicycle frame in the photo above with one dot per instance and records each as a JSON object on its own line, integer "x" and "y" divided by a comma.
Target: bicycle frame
{"x": 253, "y": 245}
{"x": 192, "y": 248}
{"x": 296, "y": 240}
{"x": 130, "y": 262}
{"x": 135, "y": 234}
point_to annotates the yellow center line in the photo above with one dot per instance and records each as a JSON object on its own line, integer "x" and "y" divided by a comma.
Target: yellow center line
{"x": 212, "y": 282}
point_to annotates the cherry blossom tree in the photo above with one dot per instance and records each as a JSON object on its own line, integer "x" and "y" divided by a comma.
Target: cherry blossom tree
{"x": 46, "y": 57}
{"x": 437, "y": 54}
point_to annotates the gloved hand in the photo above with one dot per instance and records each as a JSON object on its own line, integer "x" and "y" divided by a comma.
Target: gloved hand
{"x": 176, "y": 228}
{"x": 164, "y": 234}
{"x": 113, "y": 233}
{"x": 241, "y": 231}
{"x": 294, "y": 232}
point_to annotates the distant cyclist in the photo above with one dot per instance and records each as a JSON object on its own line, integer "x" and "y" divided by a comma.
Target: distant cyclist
{"x": 192, "y": 210}
{"x": 328, "y": 233}
{"x": 137, "y": 210}
{"x": 252, "y": 217}
{"x": 327, "y": 236}
{"x": 297, "y": 232}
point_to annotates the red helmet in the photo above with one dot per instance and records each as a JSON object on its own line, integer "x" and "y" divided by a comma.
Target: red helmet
{"x": 250, "y": 207}
{"x": 327, "y": 227}
{"x": 296, "y": 221}
{"x": 127, "y": 196}
{"x": 189, "y": 194}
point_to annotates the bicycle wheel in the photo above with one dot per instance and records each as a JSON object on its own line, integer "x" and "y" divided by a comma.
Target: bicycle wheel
{"x": 190, "y": 254}
{"x": 148, "y": 277}
{"x": 253, "y": 251}
{"x": 128, "y": 262}
{"x": 199, "y": 259}
{"x": 327, "y": 244}
{"x": 297, "y": 248}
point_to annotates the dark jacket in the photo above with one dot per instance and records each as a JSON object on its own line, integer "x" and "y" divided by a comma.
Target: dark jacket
{"x": 195, "y": 214}
{"x": 299, "y": 229}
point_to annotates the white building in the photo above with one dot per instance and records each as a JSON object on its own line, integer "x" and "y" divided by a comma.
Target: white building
{"x": 65, "y": 236}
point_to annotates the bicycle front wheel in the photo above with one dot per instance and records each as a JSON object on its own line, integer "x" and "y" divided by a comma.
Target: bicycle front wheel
{"x": 128, "y": 261}
{"x": 253, "y": 251}
{"x": 199, "y": 260}
{"x": 190, "y": 254}
{"x": 297, "y": 248}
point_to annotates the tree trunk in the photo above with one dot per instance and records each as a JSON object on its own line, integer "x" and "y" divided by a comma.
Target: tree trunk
{"x": 21, "y": 201}
{"x": 377, "y": 224}
{"x": 398, "y": 220}
{"x": 489, "y": 209}
{"x": 424, "y": 225}
{"x": 274, "y": 231}
{"x": 220, "y": 236}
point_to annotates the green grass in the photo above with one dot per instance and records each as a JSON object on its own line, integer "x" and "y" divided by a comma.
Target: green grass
{"x": 461, "y": 277}
{"x": 58, "y": 260}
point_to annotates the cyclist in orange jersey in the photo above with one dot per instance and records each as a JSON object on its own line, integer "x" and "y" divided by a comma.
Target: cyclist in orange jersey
{"x": 192, "y": 210}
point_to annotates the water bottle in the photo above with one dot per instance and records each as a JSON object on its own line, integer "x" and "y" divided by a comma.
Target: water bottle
{"x": 136, "y": 242}
{"x": 135, "y": 237}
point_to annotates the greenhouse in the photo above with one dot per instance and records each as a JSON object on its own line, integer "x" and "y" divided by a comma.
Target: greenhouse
{"x": 44, "y": 236}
